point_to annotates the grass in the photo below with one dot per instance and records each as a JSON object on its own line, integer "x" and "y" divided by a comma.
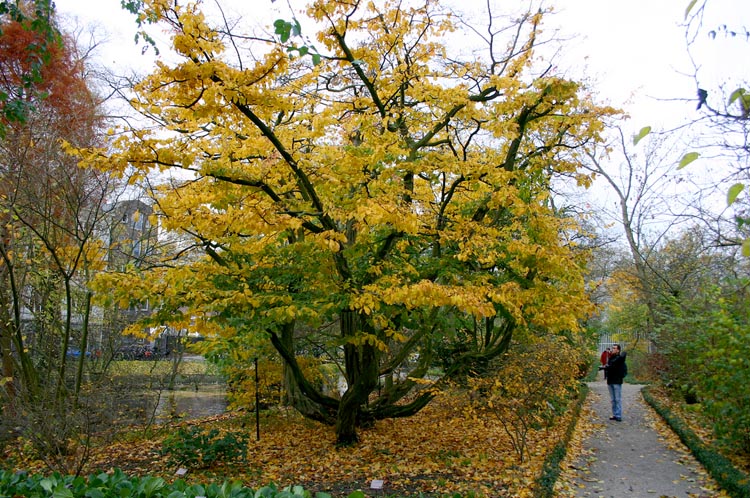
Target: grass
{"x": 160, "y": 367}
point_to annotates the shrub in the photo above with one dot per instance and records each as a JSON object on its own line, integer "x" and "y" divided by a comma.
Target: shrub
{"x": 722, "y": 376}
{"x": 531, "y": 387}
{"x": 194, "y": 447}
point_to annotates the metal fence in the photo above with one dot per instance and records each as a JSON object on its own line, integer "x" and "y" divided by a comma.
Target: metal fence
{"x": 606, "y": 341}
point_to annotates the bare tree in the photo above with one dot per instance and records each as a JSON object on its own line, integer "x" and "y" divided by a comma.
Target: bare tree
{"x": 722, "y": 123}
{"x": 645, "y": 203}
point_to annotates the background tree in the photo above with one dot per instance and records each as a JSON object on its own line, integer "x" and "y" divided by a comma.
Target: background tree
{"x": 648, "y": 204}
{"x": 50, "y": 211}
{"x": 393, "y": 195}
{"x": 33, "y": 44}
{"x": 722, "y": 125}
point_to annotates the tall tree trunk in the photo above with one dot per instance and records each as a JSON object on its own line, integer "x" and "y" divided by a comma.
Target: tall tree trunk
{"x": 6, "y": 340}
{"x": 6, "y": 328}
{"x": 83, "y": 347}
{"x": 294, "y": 395}
{"x": 361, "y": 363}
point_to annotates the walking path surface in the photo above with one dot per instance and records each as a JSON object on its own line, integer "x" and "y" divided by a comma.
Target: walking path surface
{"x": 638, "y": 457}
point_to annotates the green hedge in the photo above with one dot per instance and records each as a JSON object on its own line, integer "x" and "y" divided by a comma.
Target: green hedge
{"x": 118, "y": 485}
{"x": 731, "y": 479}
{"x": 545, "y": 484}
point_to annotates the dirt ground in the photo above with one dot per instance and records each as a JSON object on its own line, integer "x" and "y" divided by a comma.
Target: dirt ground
{"x": 638, "y": 457}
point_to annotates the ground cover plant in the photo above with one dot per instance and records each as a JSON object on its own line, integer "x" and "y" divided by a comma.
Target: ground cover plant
{"x": 118, "y": 485}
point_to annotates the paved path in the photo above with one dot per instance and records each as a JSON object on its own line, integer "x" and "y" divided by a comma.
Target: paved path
{"x": 631, "y": 458}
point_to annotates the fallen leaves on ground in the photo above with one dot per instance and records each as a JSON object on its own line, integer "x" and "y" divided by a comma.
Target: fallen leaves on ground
{"x": 572, "y": 474}
{"x": 437, "y": 452}
{"x": 577, "y": 451}
{"x": 699, "y": 425}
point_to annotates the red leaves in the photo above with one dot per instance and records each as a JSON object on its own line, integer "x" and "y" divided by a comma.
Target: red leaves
{"x": 61, "y": 83}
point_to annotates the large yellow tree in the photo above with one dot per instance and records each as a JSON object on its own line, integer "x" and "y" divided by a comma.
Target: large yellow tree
{"x": 387, "y": 188}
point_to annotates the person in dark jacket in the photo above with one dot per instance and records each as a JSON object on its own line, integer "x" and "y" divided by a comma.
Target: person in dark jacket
{"x": 616, "y": 369}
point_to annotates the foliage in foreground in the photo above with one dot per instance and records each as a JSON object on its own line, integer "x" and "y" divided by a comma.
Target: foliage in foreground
{"x": 442, "y": 451}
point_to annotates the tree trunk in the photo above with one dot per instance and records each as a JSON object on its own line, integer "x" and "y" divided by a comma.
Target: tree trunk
{"x": 83, "y": 347}
{"x": 294, "y": 395}
{"x": 305, "y": 398}
{"x": 7, "y": 358}
{"x": 346, "y": 419}
{"x": 361, "y": 363}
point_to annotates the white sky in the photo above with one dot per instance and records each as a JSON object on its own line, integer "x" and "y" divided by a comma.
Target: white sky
{"x": 634, "y": 51}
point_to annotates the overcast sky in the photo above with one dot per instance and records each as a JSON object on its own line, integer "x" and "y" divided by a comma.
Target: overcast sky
{"x": 634, "y": 52}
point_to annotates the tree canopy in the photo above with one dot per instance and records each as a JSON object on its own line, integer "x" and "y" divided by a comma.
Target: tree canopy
{"x": 386, "y": 201}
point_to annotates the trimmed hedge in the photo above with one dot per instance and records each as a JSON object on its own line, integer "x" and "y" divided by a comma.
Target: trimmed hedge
{"x": 731, "y": 479}
{"x": 545, "y": 483}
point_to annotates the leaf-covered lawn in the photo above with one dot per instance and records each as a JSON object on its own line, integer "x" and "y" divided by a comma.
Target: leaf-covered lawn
{"x": 442, "y": 450}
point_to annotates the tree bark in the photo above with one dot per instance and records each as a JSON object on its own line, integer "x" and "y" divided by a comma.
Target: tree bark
{"x": 361, "y": 363}
{"x": 6, "y": 352}
{"x": 294, "y": 395}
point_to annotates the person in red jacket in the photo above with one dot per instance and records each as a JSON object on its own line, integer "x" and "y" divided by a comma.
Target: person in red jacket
{"x": 604, "y": 358}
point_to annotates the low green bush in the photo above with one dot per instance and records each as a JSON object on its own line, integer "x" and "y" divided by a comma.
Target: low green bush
{"x": 118, "y": 485}
{"x": 197, "y": 448}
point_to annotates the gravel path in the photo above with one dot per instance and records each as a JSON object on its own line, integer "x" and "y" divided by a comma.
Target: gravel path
{"x": 632, "y": 458}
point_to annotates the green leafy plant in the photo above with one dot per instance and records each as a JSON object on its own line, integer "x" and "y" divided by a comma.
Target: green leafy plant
{"x": 194, "y": 447}
{"x": 721, "y": 373}
{"x": 287, "y": 30}
{"x": 118, "y": 485}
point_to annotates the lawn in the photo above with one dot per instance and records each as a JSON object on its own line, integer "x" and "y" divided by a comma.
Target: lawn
{"x": 161, "y": 367}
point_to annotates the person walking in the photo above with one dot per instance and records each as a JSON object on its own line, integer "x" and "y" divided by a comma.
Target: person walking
{"x": 615, "y": 370}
